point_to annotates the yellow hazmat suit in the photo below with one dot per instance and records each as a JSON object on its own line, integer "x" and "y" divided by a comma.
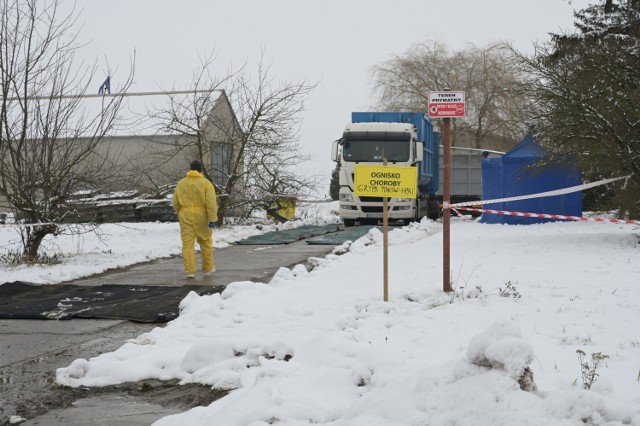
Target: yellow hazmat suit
{"x": 194, "y": 200}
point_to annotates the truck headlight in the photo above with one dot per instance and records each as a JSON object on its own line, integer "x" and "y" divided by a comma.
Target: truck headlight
{"x": 346, "y": 197}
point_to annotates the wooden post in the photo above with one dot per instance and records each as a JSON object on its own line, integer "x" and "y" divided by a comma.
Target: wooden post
{"x": 385, "y": 244}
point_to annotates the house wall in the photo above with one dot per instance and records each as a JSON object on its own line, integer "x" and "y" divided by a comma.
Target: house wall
{"x": 146, "y": 162}
{"x": 222, "y": 128}
{"x": 225, "y": 134}
{"x": 466, "y": 139}
{"x": 4, "y": 204}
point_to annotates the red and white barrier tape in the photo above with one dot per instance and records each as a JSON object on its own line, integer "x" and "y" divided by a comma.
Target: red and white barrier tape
{"x": 541, "y": 194}
{"x": 549, "y": 216}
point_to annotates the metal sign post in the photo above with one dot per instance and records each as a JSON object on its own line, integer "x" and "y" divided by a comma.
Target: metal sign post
{"x": 445, "y": 105}
{"x": 446, "y": 211}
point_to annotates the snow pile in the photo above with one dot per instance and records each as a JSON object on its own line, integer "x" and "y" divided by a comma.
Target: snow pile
{"x": 502, "y": 346}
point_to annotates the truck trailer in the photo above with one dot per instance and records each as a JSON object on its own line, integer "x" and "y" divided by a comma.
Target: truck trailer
{"x": 403, "y": 139}
{"x": 466, "y": 173}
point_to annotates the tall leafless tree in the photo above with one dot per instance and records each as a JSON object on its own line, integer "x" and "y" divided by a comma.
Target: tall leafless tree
{"x": 48, "y": 139}
{"x": 252, "y": 153}
{"x": 488, "y": 75}
{"x": 199, "y": 117}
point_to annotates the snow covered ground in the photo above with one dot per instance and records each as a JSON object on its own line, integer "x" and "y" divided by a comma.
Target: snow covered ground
{"x": 322, "y": 347}
{"x": 82, "y": 252}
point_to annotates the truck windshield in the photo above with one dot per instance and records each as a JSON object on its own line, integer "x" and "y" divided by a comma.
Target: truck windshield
{"x": 372, "y": 150}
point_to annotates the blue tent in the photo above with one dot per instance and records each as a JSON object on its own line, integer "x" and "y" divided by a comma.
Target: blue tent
{"x": 518, "y": 173}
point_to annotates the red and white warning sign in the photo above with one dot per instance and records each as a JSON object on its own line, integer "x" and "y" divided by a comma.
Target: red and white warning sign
{"x": 446, "y": 104}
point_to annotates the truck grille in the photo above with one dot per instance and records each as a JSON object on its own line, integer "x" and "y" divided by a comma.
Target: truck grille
{"x": 366, "y": 209}
{"x": 371, "y": 199}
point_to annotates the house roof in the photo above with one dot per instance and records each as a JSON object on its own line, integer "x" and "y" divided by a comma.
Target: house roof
{"x": 141, "y": 113}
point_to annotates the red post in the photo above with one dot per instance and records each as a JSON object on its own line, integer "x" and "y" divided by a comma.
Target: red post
{"x": 446, "y": 200}
{"x": 446, "y": 104}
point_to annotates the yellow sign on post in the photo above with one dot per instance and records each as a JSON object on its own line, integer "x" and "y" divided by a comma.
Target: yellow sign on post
{"x": 385, "y": 181}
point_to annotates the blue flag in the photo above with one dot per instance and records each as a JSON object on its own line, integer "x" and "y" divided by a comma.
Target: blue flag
{"x": 106, "y": 87}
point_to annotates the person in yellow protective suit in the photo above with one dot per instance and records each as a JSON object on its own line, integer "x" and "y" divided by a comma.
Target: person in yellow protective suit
{"x": 194, "y": 200}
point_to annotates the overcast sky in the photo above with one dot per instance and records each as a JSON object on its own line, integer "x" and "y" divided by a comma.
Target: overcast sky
{"x": 331, "y": 42}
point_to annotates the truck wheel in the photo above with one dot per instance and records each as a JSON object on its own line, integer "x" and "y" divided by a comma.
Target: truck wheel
{"x": 434, "y": 212}
{"x": 348, "y": 223}
{"x": 417, "y": 217}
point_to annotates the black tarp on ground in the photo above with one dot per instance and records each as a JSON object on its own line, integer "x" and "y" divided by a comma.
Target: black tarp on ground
{"x": 289, "y": 235}
{"x": 139, "y": 303}
{"x": 348, "y": 234}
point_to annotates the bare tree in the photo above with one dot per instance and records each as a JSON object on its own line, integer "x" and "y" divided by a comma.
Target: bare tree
{"x": 269, "y": 114}
{"x": 489, "y": 76}
{"x": 251, "y": 150}
{"x": 48, "y": 139}
{"x": 201, "y": 119}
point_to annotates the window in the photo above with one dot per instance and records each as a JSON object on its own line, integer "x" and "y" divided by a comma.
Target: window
{"x": 374, "y": 150}
{"x": 221, "y": 163}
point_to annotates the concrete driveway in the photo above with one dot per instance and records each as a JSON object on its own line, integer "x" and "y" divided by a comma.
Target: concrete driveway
{"x": 32, "y": 350}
